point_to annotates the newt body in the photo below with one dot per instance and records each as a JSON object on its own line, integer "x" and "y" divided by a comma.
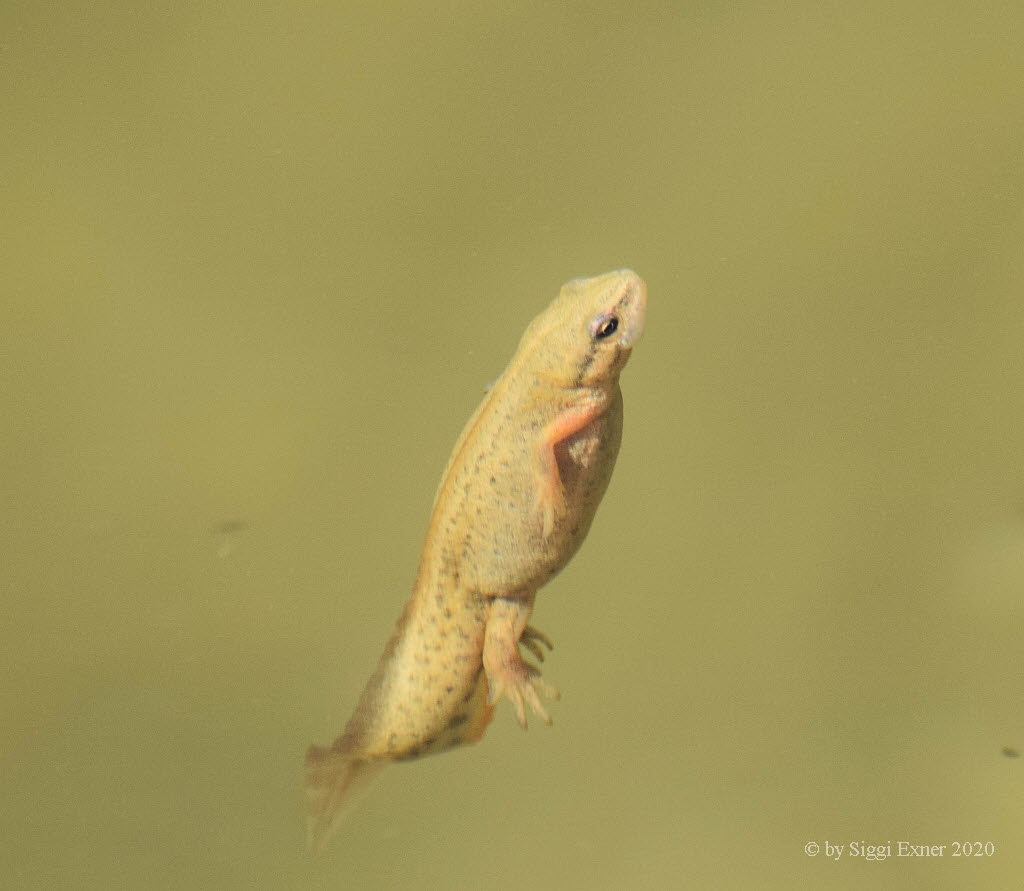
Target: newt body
{"x": 515, "y": 503}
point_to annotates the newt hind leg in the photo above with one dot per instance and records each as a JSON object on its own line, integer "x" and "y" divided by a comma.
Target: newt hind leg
{"x": 508, "y": 674}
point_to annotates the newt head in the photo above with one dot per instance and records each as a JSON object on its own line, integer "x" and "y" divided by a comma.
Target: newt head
{"x": 586, "y": 335}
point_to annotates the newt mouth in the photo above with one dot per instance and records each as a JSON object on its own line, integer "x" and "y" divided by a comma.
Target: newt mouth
{"x": 632, "y": 307}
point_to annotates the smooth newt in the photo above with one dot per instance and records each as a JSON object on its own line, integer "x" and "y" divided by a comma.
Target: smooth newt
{"x": 514, "y": 505}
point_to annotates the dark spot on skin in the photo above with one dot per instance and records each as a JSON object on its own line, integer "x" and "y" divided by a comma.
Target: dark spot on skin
{"x": 456, "y": 720}
{"x": 447, "y": 612}
{"x": 449, "y": 689}
{"x": 472, "y": 689}
{"x": 494, "y": 481}
{"x": 585, "y": 366}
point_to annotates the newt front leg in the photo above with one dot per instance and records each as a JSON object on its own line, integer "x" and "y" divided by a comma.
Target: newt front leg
{"x": 507, "y": 673}
{"x": 550, "y": 494}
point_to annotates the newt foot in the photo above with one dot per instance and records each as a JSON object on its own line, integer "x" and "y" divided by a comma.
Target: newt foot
{"x": 521, "y": 687}
{"x": 531, "y": 638}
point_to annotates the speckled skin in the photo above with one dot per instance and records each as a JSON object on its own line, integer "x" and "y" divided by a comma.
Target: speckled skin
{"x": 514, "y": 505}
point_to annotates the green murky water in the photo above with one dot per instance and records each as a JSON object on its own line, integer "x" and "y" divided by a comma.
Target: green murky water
{"x": 259, "y": 264}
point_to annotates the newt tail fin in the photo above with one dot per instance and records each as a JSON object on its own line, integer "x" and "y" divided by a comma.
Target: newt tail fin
{"x": 333, "y": 779}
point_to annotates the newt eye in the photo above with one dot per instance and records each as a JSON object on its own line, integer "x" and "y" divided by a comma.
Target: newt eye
{"x": 605, "y": 327}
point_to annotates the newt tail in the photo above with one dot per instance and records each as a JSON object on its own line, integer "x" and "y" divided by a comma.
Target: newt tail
{"x": 333, "y": 781}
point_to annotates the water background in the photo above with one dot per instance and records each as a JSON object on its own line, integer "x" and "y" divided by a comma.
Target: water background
{"x": 259, "y": 263}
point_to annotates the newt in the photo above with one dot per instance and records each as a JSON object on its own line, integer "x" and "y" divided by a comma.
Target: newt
{"x": 514, "y": 505}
